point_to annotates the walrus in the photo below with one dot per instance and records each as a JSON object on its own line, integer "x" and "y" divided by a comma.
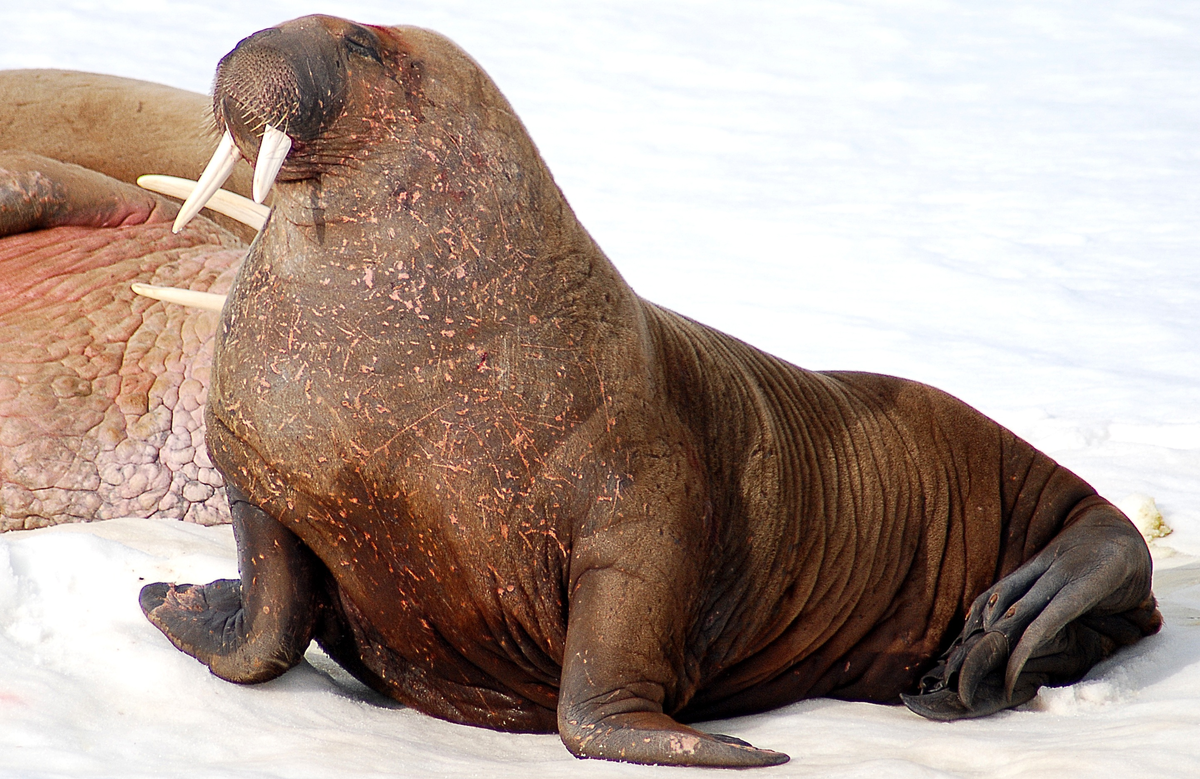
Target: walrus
{"x": 495, "y": 484}
{"x": 101, "y": 391}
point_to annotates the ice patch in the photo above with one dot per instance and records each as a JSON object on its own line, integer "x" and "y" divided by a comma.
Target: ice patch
{"x": 1084, "y": 696}
{"x": 8, "y": 586}
{"x": 1144, "y": 513}
{"x": 1172, "y": 436}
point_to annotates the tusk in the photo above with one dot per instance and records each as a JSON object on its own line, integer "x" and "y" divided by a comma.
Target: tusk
{"x": 231, "y": 204}
{"x": 184, "y": 297}
{"x": 271, "y": 154}
{"x": 215, "y": 174}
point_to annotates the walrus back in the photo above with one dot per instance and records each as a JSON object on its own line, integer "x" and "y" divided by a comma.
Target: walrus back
{"x": 868, "y": 511}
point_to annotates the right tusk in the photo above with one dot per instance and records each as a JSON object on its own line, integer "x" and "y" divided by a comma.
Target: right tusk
{"x": 231, "y": 204}
{"x": 272, "y": 151}
{"x": 184, "y": 297}
{"x": 215, "y": 174}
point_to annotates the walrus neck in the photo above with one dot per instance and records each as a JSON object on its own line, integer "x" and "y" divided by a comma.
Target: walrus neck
{"x": 455, "y": 235}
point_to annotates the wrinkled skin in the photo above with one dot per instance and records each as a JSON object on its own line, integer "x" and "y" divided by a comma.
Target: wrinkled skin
{"x": 498, "y": 486}
{"x": 102, "y": 392}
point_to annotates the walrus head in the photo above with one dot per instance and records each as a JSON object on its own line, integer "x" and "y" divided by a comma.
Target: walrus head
{"x": 317, "y": 97}
{"x": 415, "y": 234}
{"x": 285, "y": 88}
{"x": 279, "y": 91}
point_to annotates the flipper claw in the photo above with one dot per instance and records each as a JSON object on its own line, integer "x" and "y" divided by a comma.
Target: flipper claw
{"x": 1049, "y": 622}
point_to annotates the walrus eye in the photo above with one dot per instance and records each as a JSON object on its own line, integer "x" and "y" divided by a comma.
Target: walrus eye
{"x": 361, "y": 47}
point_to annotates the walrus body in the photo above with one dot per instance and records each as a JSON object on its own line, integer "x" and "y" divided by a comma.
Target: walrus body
{"x": 500, "y": 487}
{"x": 101, "y": 391}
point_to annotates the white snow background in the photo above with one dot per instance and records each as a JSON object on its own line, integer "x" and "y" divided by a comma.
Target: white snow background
{"x": 999, "y": 199}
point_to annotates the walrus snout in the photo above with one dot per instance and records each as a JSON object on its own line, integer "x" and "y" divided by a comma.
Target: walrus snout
{"x": 276, "y": 92}
{"x": 290, "y": 77}
{"x": 278, "y": 88}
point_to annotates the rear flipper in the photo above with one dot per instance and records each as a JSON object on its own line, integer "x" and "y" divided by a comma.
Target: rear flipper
{"x": 1073, "y": 604}
{"x": 250, "y": 630}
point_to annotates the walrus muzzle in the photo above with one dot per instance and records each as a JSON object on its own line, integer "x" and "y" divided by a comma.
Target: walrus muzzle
{"x": 267, "y": 106}
{"x": 258, "y": 84}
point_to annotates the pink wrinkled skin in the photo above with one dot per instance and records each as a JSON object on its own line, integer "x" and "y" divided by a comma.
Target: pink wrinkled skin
{"x": 101, "y": 391}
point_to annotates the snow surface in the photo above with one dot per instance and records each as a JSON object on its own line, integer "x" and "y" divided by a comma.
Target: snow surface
{"x": 999, "y": 199}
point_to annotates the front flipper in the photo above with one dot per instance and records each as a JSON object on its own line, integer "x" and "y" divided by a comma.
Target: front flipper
{"x": 250, "y": 630}
{"x": 636, "y": 589}
{"x": 1073, "y": 604}
{"x": 614, "y": 679}
{"x": 38, "y": 193}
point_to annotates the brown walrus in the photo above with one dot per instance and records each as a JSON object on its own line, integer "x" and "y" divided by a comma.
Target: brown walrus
{"x": 500, "y": 487}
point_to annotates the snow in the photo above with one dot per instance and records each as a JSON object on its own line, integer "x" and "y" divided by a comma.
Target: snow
{"x": 998, "y": 199}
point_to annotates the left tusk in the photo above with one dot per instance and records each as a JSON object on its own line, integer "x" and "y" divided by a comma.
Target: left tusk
{"x": 184, "y": 297}
{"x": 271, "y": 153}
{"x": 214, "y": 175}
{"x": 231, "y": 204}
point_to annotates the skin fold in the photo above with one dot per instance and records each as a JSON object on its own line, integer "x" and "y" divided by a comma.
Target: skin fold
{"x": 121, "y": 127}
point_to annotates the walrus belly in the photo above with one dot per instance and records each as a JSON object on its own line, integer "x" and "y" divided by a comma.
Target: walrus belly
{"x": 442, "y": 678}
